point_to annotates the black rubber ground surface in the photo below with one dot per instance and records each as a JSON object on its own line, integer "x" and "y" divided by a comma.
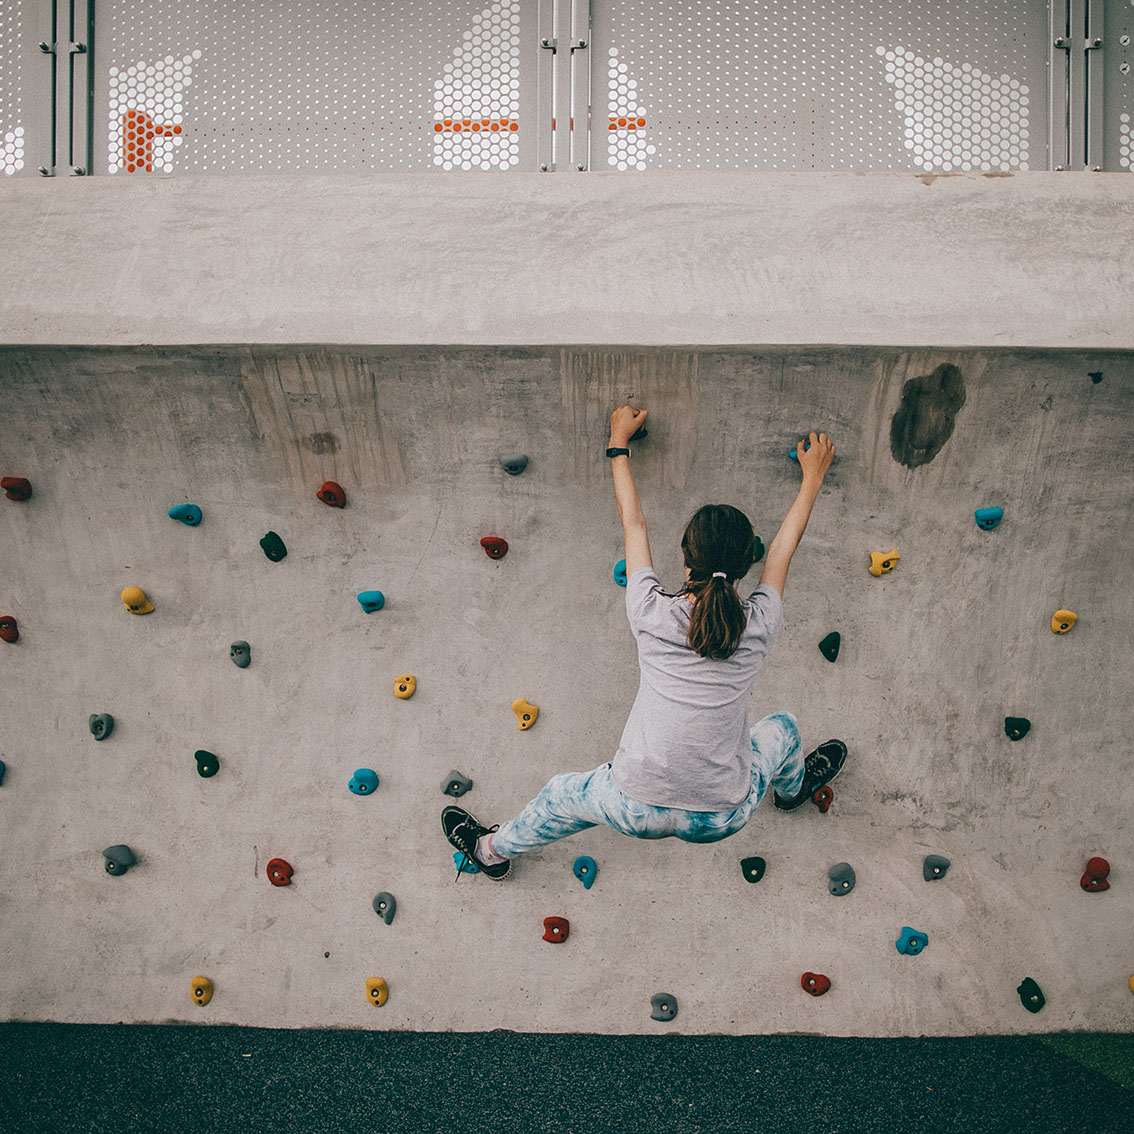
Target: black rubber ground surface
{"x": 64, "y": 1077}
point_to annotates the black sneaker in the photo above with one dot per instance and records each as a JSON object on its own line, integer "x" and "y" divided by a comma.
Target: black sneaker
{"x": 463, "y": 831}
{"x": 819, "y": 767}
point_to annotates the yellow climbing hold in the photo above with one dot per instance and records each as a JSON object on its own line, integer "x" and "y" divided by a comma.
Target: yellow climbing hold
{"x": 1063, "y": 620}
{"x": 202, "y": 989}
{"x": 883, "y": 561}
{"x": 135, "y": 601}
{"x": 404, "y": 686}
{"x": 525, "y": 714}
{"x": 376, "y": 991}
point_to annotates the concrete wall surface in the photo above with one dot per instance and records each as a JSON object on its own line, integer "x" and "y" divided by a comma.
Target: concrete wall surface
{"x": 934, "y": 656}
{"x": 1034, "y": 259}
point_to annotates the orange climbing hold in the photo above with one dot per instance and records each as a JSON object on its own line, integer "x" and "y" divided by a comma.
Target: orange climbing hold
{"x": 279, "y": 872}
{"x": 332, "y": 494}
{"x": 556, "y": 929}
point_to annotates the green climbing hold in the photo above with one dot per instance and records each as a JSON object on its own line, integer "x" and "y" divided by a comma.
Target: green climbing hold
{"x": 829, "y": 646}
{"x": 757, "y": 549}
{"x": 1016, "y": 728}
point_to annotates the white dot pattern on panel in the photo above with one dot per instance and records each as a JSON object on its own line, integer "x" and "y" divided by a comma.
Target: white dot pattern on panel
{"x": 957, "y": 117}
{"x": 11, "y": 111}
{"x": 146, "y": 114}
{"x": 628, "y": 144}
{"x": 477, "y": 103}
{"x": 1125, "y": 142}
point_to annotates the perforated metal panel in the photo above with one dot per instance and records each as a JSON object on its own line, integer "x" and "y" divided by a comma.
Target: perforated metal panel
{"x": 1118, "y": 86}
{"x": 12, "y": 127}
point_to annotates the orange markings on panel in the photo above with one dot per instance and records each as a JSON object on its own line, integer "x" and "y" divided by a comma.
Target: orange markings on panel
{"x": 626, "y": 123}
{"x": 459, "y": 125}
{"x": 138, "y": 133}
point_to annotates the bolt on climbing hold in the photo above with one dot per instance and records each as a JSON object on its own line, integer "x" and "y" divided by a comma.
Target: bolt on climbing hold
{"x": 513, "y": 463}
{"x": 201, "y": 989}
{"x": 332, "y": 494}
{"x": 911, "y": 942}
{"x": 757, "y": 549}
{"x": 274, "y": 547}
{"x": 188, "y": 514}
{"x": 586, "y": 870}
{"x": 364, "y": 781}
{"x": 464, "y": 864}
{"x": 16, "y": 487}
{"x": 455, "y": 784}
{"x": 1016, "y": 728}
{"x": 241, "y": 654}
{"x": 793, "y": 452}
{"x": 620, "y": 572}
{"x": 1030, "y": 995}
{"x": 279, "y": 872}
{"x": 664, "y": 1006}
{"x": 840, "y": 879}
{"x": 1063, "y": 620}
{"x": 494, "y": 547}
{"x": 370, "y": 601}
{"x": 1094, "y": 877}
{"x": 988, "y": 518}
{"x": 101, "y": 725}
{"x": 135, "y": 601}
{"x": 556, "y": 929}
{"x": 385, "y": 906}
{"x": 376, "y": 991}
{"x": 829, "y": 646}
{"x": 815, "y": 983}
{"x": 404, "y": 686}
{"x": 823, "y": 798}
{"x": 934, "y": 867}
{"x": 753, "y": 868}
{"x": 882, "y": 562}
{"x": 207, "y": 763}
{"x": 119, "y": 859}
{"x": 9, "y": 630}
{"x": 525, "y": 714}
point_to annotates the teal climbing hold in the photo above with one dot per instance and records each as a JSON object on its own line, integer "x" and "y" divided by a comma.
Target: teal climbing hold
{"x": 464, "y": 864}
{"x": 829, "y": 646}
{"x": 620, "y": 572}
{"x": 1031, "y": 996}
{"x": 911, "y": 942}
{"x": 207, "y": 764}
{"x": 364, "y": 781}
{"x": 1016, "y": 728}
{"x": 370, "y": 601}
{"x": 188, "y": 514}
{"x": 988, "y": 518}
{"x": 586, "y": 870}
{"x": 934, "y": 867}
{"x": 793, "y": 452}
{"x": 274, "y": 547}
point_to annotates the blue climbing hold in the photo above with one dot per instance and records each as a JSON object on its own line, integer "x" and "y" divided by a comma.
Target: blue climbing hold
{"x": 3, "y": 769}
{"x": 988, "y": 518}
{"x": 187, "y": 513}
{"x": 795, "y": 455}
{"x": 586, "y": 870}
{"x": 371, "y": 600}
{"x": 620, "y": 572}
{"x": 464, "y": 865}
{"x": 364, "y": 781}
{"x": 911, "y": 942}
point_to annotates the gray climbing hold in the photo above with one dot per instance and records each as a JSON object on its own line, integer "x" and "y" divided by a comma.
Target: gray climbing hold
{"x": 101, "y": 725}
{"x": 384, "y": 906}
{"x": 241, "y": 654}
{"x": 840, "y": 879}
{"x": 664, "y": 1006}
{"x": 513, "y": 463}
{"x": 455, "y": 784}
{"x": 934, "y": 867}
{"x": 119, "y": 859}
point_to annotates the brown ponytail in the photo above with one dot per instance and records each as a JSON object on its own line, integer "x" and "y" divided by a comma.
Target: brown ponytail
{"x": 718, "y": 538}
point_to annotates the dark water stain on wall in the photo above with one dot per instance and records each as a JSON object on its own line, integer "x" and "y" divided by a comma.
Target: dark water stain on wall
{"x": 924, "y": 421}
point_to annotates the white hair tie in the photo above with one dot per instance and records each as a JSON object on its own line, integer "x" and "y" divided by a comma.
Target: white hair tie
{"x": 719, "y": 575}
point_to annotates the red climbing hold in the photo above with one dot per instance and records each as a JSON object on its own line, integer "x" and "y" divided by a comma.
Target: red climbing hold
{"x": 279, "y": 872}
{"x": 494, "y": 546}
{"x": 815, "y": 983}
{"x": 556, "y": 929}
{"x": 15, "y": 487}
{"x": 9, "y": 631}
{"x": 1094, "y": 879}
{"x": 333, "y": 494}
{"x": 823, "y": 798}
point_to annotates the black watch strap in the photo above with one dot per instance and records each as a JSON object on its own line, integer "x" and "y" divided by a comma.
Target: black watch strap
{"x": 618, "y": 452}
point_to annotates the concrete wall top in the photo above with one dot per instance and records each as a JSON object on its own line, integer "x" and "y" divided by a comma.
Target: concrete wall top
{"x": 1035, "y": 259}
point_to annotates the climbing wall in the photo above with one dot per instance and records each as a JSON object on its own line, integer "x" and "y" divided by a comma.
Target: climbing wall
{"x": 935, "y": 653}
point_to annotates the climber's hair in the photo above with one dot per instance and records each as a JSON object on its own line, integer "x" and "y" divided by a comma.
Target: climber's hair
{"x": 717, "y": 538}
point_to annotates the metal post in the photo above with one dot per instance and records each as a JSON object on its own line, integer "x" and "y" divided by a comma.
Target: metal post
{"x": 80, "y": 85}
{"x": 580, "y": 122}
{"x": 1093, "y": 47}
{"x": 1059, "y": 94}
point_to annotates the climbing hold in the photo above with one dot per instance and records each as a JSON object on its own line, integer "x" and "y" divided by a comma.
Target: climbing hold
{"x": 1063, "y": 620}
{"x": 1094, "y": 878}
{"x": 364, "y": 781}
{"x": 464, "y": 864}
{"x": 188, "y": 514}
{"x": 385, "y": 906}
{"x": 823, "y": 798}
{"x": 370, "y": 601}
{"x": 1095, "y": 376}
{"x": 883, "y": 561}
{"x": 16, "y": 487}
{"x": 404, "y": 686}
{"x": 494, "y": 546}
{"x": 1016, "y": 728}
{"x": 620, "y": 572}
{"x": 911, "y": 942}
{"x": 640, "y": 434}
{"x": 829, "y": 646}
{"x": 664, "y": 1006}
{"x": 793, "y": 452}
{"x": 455, "y": 784}
{"x": 753, "y": 868}
{"x": 201, "y": 989}
{"x": 3, "y": 769}
{"x": 279, "y": 872}
{"x": 376, "y": 991}
{"x": 988, "y": 518}
{"x": 119, "y": 859}
{"x": 757, "y": 549}
{"x": 241, "y": 654}
{"x": 135, "y": 601}
{"x": 207, "y": 764}
{"x": 815, "y": 983}
{"x": 513, "y": 463}
{"x": 934, "y": 867}
{"x": 556, "y": 929}
{"x": 9, "y": 630}
{"x": 274, "y": 547}
{"x": 525, "y": 714}
{"x": 1030, "y": 995}
{"x": 101, "y": 725}
{"x": 840, "y": 879}
{"x": 586, "y": 870}
{"x": 332, "y": 494}
{"x": 1130, "y": 982}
